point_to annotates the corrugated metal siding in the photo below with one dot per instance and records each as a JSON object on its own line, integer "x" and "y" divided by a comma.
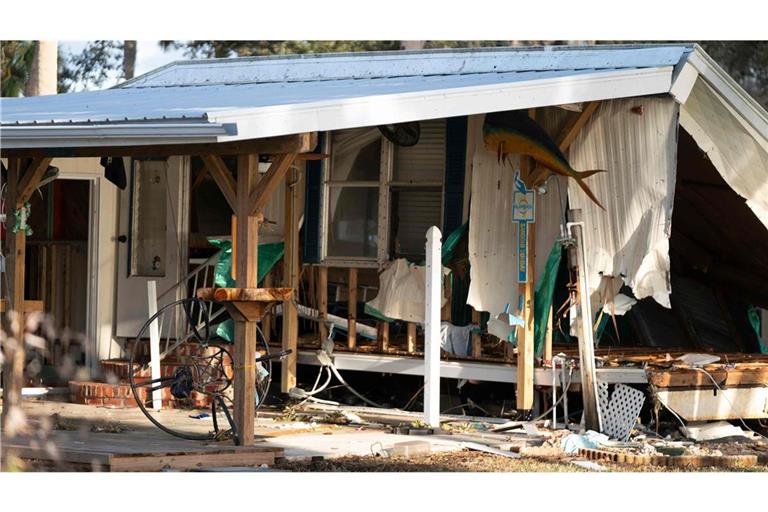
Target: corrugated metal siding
{"x": 639, "y": 152}
{"x": 424, "y": 161}
{"x": 493, "y": 235}
{"x": 417, "y": 210}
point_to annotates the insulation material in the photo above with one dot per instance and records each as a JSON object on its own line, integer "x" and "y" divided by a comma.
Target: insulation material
{"x": 402, "y": 291}
{"x": 635, "y": 141}
{"x": 493, "y": 235}
{"x": 738, "y": 153}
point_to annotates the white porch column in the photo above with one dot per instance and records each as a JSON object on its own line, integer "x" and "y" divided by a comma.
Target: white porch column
{"x": 432, "y": 306}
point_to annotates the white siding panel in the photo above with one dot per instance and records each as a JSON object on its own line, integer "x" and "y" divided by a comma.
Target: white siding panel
{"x": 739, "y": 155}
{"x": 630, "y": 238}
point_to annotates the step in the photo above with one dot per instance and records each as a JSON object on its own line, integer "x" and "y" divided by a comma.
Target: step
{"x": 120, "y": 395}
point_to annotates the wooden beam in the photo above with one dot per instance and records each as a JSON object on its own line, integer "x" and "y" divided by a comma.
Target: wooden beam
{"x": 352, "y": 317}
{"x": 223, "y": 178}
{"x": 548, "y": 337}
{"x": 564, "y": 140}
{"x": 322, "y": 300}
{"x": 200, "y": 178}
{"x": 525, "y": 344}
{"x": 477, "y": 345}
{"x": 290, "y": 339}
{"x": 31, "y": 179}
{"x": 411, "y": 334}
{"x": 592, "y": 420}
{"x": 574, "y": 126}
{"x": 13, "y": 347}
{"x": 269, "y": 182}
{"x": 297, "y": 143}
{"x": 247, "y": 271}
{"x": 383, "y": 336}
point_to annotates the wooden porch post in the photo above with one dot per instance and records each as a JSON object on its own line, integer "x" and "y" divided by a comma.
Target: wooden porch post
{"x": 247, "y": 242}
{"x": 20, "y": 188}
{"x": 290, "y": 280}
{"x": 13, "y": 367}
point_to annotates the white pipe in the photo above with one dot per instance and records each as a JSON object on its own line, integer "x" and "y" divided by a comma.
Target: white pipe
{"x": 432, "y": 304}
{"x": 154, "y": 344}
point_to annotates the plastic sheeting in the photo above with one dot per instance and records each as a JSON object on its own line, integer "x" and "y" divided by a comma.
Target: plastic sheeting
{"x": 738, "y": 153}
{"x": 493, "y": 235}
{"x": 635, "y": 141}
{"x": 402, "y": 291}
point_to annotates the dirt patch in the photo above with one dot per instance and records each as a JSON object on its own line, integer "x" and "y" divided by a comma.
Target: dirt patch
{"x": 470, "y": 461}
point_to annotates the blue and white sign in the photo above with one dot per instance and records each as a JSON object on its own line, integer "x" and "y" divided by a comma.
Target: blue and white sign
{"x": 523, "y": 212}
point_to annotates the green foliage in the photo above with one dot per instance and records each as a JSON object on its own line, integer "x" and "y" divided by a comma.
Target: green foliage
{"x": 16, "y": 60}
{"x": 223, "y": 49}
{"x": 92, "y": 66}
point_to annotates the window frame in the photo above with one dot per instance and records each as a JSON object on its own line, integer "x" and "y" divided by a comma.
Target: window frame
{"x": 385, "y": 185}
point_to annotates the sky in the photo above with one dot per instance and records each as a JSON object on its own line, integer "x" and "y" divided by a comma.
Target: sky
{"x": 149, "y": 56}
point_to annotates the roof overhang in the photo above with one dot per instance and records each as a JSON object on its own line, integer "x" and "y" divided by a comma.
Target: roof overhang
{"x": 421, "y": 101}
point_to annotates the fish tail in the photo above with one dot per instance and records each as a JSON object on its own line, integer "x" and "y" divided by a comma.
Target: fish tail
{"x": 586, "y": 174}
{"x": 579, "y": 179}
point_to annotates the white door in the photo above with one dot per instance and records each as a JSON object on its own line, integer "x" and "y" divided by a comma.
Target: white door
{"x": 154, "y": 221}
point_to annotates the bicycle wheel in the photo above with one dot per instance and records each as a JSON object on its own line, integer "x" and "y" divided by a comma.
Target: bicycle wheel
{"x": 192, "y": 370}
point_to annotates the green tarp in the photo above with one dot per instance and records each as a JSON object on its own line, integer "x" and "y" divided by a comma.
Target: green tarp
{"x": 269, "y": 255}
{"x": 754, "y": 319}
{"x": 545, "y": 290}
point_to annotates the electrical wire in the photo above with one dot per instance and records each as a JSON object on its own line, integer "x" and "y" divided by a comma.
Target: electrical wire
{"x": 705, "y": 372}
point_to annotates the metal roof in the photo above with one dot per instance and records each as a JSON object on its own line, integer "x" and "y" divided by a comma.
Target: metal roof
{"x": 221, "y": 100}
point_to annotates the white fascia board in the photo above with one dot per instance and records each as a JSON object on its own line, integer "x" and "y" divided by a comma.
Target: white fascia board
{"x": 413, "y": 106}
{"x": 683, "y": 83}
{"x": 749, "y": 110}
{"x": 36, "y": 136}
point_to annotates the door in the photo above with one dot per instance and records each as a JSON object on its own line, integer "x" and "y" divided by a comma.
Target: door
{"x": 153, "y": 238}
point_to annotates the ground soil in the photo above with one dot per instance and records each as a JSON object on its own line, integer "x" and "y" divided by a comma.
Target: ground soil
{"x": 470, "y": 461}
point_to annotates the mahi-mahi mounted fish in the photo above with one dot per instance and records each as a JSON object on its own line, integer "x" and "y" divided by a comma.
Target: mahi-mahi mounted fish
{"x": 514, "y": 132}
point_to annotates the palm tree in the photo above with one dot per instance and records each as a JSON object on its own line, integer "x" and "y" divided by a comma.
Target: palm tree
{"x": 16, "y": 59}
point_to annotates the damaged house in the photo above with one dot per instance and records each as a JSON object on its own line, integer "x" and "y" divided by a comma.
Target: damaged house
{"x": 292, "y": 195}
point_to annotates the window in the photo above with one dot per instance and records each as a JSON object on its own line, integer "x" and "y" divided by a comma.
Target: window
{"x": 381, "y": 198}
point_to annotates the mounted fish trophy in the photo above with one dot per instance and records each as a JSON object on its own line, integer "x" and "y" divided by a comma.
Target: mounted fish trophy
{"x": 514, "y": 132}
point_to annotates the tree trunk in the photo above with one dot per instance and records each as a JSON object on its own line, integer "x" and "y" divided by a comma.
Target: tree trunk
{"x": 44, "y": 73}
{"x": 412, "y": 45}
{"x": 129, "y": 59}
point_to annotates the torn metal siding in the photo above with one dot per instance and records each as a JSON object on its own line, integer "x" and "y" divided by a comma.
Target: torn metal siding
{"x": 738, "y": 153}
{"x": 638, "y": 149}
{"x": 493, "y": 235}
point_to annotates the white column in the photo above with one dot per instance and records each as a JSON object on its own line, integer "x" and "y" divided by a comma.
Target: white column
{"x": 154, "y": 344}
{"x": 432, "y": 306}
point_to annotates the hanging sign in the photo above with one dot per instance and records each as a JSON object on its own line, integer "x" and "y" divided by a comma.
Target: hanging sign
{"x": 523, "y": 212}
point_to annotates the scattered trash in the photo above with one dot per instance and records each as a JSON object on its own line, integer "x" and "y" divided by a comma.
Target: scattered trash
{"x": 200, "y": 416}
{"x": 708, "y": 431}
{"x": 503, "y": 326}
{"x": 109, "y": 428}
{"x": 698, "y": 360}
{"x": 487, "y": 449}
{"x": 572, "y": 443}
{"x": 621, "y": 411}
{"x": 588, "y": 464}
{"x": 411, "y": 448}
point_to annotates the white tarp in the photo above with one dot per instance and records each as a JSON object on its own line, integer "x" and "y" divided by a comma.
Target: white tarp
{"x": 738, "y": 153}
{"x": 402, "y": 291}
{"x": 635, "y": 141}
{"x": 493, "y": 235}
